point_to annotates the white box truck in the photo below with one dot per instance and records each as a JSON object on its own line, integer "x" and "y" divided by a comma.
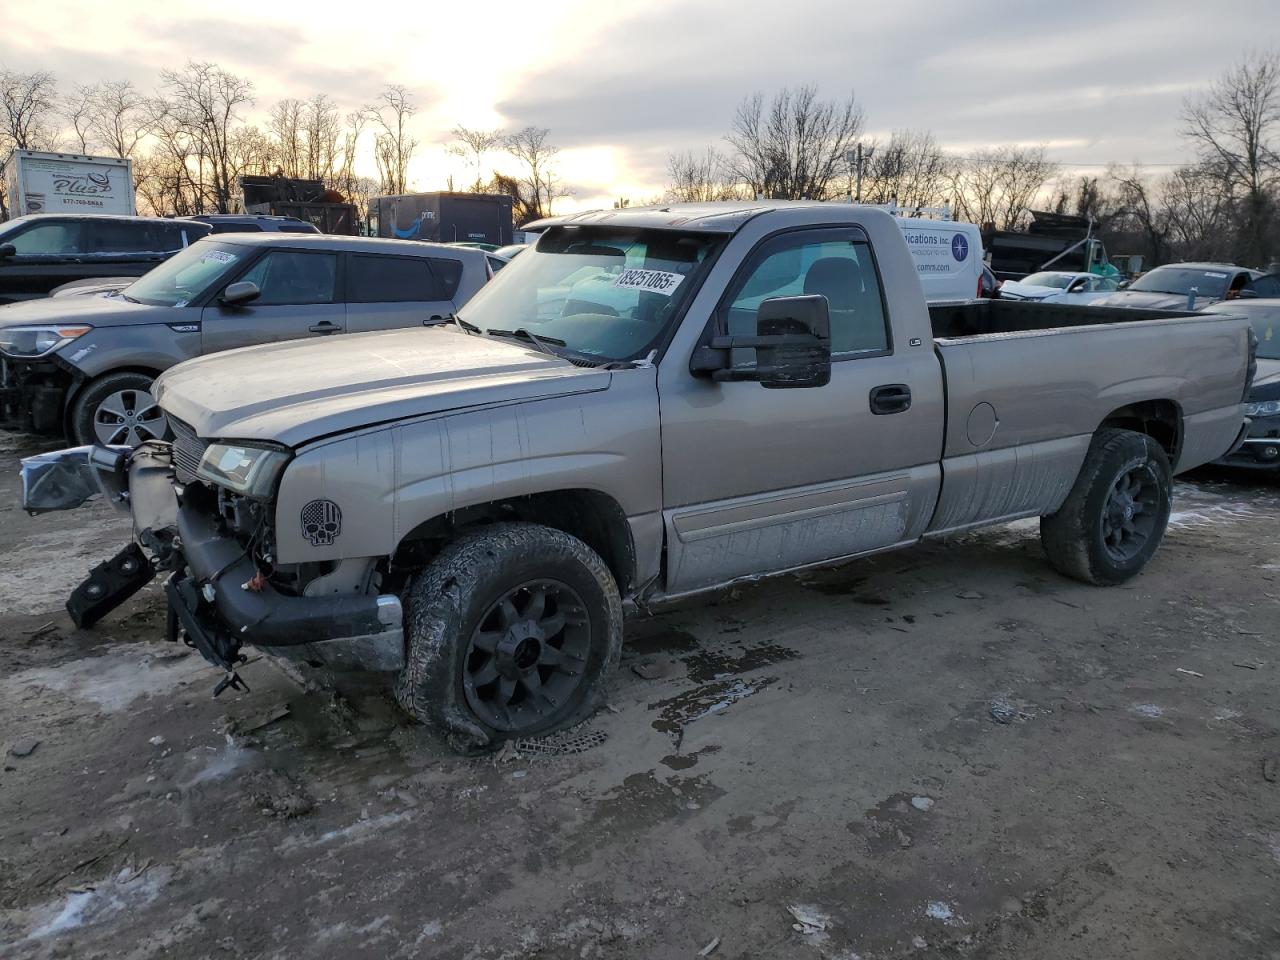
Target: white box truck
{"x": 40, "y": 182}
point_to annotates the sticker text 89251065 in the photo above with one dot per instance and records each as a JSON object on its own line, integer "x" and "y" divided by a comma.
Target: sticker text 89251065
{"x": 650, "y": 281}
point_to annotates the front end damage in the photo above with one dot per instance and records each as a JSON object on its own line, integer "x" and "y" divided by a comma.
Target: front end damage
{"x": 215, "y": 547}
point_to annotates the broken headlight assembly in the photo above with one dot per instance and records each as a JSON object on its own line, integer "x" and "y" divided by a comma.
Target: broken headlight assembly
{"x": 243, "y": 468}
{"x": 30, "y": 343}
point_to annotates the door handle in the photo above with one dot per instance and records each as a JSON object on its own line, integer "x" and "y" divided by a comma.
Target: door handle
{"x": 890, "y": 398}
{"x": 324, "y": 326}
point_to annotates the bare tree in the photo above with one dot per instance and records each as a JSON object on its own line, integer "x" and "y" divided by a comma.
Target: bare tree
{"x": 698, "y": 177}
{"x": 472, "y": 145}
{"x": 999, "y": 185}
{"x": 322, "y": 134}
{"x": 345, "y": 178}
{"x": 28, "y": 108}
{"x": 910, "y": 169}
{"x": 393, "y": 147}
{"x": 204, "y": 103}
{"x": 1138, "y": 212}
{"x": 285, "y": 125}
{"x": 111, "y": 117}
{"x": 794, "y": 147}
{"x": 1235, "y": 127}
{"x": 1202, "y": 213}
{"x": 537, "y": 157}
{"x": 77, "y": 109}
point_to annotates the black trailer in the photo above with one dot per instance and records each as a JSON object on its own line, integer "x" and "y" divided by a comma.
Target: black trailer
{"x": 307, "y": 200}
{"x": 443, "y": 217}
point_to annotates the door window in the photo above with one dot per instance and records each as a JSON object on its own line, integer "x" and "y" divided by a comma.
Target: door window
{"x": 449, "y": 274}
{"x": 1268, "y": 286}
{"x": 58, "y": 238}
{"x": 831, "y": 263}
{"x": 119, "y": 236}
{"x": 293, "y": 277}
{"x": 391, "y": 280}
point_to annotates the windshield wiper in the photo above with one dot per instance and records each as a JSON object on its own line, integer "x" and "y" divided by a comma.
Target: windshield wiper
{"x": 469, "y": 327}
{"x": 522, "y": 333}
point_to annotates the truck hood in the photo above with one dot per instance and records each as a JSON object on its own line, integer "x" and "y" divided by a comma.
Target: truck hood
{"x": 97, "y": 311}
{"x": 300, "y": 390}
{"x": 1153, "y": 300}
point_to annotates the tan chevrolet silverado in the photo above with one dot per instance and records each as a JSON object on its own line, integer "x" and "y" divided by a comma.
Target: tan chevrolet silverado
{"x": 649, "y": 404}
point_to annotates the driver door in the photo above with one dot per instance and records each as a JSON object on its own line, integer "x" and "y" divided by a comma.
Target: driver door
{"x": 299, "y": 298}
{"x": 757, "y": 480}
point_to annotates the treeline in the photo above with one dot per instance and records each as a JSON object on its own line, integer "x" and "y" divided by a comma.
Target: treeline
{"x": 1220, "y": 206}
{"x": 190, "y": 143}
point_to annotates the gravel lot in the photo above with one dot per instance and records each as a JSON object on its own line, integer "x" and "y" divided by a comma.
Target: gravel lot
{"x": 949, "y": 752}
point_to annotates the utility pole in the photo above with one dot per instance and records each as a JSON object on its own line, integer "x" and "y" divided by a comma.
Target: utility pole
{"x": 857, "y": 159}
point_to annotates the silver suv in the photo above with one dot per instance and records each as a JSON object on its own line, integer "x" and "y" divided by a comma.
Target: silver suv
{"x": 84, "y": 365}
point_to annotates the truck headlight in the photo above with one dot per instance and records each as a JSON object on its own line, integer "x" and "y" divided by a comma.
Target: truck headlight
{"x": 1264, "y": 408}
{"x": 32, "y": 342}
{"x": 243, "y": 468}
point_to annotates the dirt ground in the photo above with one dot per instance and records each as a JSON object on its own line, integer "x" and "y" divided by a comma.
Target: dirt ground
{"x": 947, "y": 752}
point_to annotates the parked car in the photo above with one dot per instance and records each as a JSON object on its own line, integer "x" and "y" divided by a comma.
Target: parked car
{"x": 43, "y": 251}
{"x": 1261, "y": 448}
{"x": 512, "y": 250}
{"x": 1191, "y": 286}
{"x": 948, "y": 258}
{"x": 254, "y": 223}
{"x": 1059, "y": 286}
{"x": 773, "y": 392}
{"x": 84, "y": 365}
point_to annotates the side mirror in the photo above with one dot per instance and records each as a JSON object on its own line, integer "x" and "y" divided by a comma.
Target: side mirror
{"x": 1247, "y": 295}
{"x": 792, "y": 347}
{"x": 240, "y": 293}
{"x": 1123, "y": 284}
{"x": 1077, "y": 285}
{"x": 7, "y": 250}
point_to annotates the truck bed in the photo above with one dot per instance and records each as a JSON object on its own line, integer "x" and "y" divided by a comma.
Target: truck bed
{"x": 981, "y": 317}
{"x": 1028, "y": 384}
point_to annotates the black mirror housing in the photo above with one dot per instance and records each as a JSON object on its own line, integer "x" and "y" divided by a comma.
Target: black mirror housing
{"x": 7, "y": 250}
{"x": 239, "y": 293}
{"x": 792, "y": 347}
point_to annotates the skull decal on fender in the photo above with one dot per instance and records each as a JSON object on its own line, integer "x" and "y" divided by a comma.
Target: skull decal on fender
{"x": 321, "y": 522}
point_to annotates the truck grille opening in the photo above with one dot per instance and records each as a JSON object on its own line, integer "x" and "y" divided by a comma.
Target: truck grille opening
{"x": 188, "y": 450}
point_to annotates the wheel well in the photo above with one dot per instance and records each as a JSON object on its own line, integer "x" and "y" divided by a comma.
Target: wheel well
{"x": 593, "y": 517}
{"x": 1159, "y": 419}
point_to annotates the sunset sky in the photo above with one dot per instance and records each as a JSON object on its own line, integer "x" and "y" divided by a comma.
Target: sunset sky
{"x": 621, "y": 86}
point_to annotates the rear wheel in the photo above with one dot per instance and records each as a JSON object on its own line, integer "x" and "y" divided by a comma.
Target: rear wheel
{"x": 118, "y": 409}
{"x": 513, "y": 631}
{"x": 1115, "y": 516}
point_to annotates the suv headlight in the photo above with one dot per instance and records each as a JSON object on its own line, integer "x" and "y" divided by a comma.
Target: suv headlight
{"x": 243, "y": 468}
{"x": 32, "y": 342}
{"x": 1264, "y": 408}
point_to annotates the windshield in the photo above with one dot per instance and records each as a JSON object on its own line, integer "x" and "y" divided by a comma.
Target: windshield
{"x": 1268, "y": 330}
{"x": 1059, "y": 281}
{"x": 605, "y": 293}
{"x": 187, "y": 274}
{"x": 1180, "y": 280}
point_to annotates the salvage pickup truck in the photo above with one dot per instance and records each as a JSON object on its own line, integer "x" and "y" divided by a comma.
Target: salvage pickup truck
{"x": 648, "y": 404}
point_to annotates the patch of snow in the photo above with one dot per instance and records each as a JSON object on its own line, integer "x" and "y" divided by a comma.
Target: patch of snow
{"x": 43, "y": 568}
{"x": 111, "y": 682}
{"x": 225, "y": 760}
{"x": 1150, "y": 710}
{"x": 360, "y": 830}
{"x": 939, "y": 910}
{"x": 126, "y": 891}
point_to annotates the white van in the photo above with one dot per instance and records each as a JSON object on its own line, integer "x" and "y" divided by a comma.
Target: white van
{"x": 947, "y": 253}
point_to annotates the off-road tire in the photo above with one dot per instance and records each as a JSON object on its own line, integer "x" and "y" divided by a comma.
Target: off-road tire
{"x": 447, "y": 601}
{"x": 1073, "y": 537}
{"x": 85, "y": 406}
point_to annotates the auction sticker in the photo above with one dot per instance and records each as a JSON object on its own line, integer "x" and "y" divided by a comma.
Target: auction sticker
{"x": 650, "y": 281}
{"x": 218, "y": 256}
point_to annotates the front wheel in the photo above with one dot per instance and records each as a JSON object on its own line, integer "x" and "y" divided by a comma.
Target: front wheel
{"x": 513, "y": 631}
{"x": 1116, "y": 513}
{"x": 118, "y": 409}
